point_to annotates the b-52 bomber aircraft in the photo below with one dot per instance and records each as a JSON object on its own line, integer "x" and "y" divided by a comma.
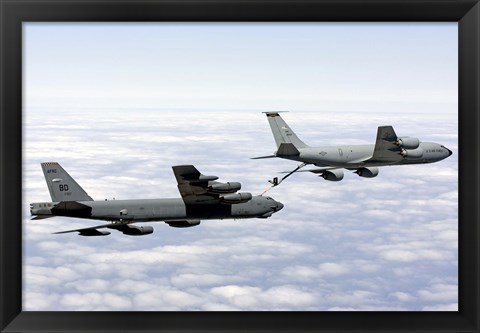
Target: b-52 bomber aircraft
{"x": 203, "y": 198}
{"x": 389, "y": 149}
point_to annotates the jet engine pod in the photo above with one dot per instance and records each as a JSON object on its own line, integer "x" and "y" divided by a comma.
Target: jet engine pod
{"x": 183, "y": 224}
{"x": 236, "y": 198}
{"x": 367, "y": 172}
{"x": 332, "y": 175}
{"x": 93, "y": 232}
{"x": 230, "y": 187}
{"x": 137, "y": 231}
{"x": 408, "y": 142}
{"x": 412, "y": 153}
{"x": 204, "y": 178}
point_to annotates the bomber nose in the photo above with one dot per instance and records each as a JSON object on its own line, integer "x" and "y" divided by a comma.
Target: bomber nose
{"x": 279, "y": 206}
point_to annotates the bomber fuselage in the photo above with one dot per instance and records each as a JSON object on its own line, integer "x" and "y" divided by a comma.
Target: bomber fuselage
{"x": 144, "y": 210}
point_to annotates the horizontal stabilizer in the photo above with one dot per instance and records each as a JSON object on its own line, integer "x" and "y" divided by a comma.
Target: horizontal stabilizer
{"x": 260, "y": 157}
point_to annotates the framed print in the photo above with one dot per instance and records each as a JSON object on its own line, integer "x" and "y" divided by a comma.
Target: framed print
{"x": 119, "y": 93}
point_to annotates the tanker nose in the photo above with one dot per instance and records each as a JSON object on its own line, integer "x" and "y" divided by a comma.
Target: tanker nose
{"x": 449, "y": 151}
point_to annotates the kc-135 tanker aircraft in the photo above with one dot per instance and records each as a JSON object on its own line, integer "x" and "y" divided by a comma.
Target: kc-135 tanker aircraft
{"x": 389, "y": 149}
{"x": 203, "y": 198}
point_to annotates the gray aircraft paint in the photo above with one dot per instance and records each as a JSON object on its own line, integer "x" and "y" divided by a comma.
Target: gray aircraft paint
{"x": 61, "y": 186}
{"x": 389, "y": 149}
{"x": 151, "y": 210}
{"x": 202, "y": 198}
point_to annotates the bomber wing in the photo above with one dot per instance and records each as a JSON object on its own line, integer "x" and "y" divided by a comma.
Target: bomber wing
{"x": 193, "y": 186}
{"x": 91, "y": 231}
{"x": 196, "y": 188}
{"x": 386, "y": 149}
{"x": 122, "y": 227}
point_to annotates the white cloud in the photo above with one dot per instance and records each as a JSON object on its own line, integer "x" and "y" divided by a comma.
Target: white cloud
{"x": 92, "y": 285}
{"x": 201, "y": 280}
{"x": 289, "y": 295}
{"x": 388, "y": 243}
{"x": 95, "y": 301}
{"x": 404, "y": 297}
{"x": 322, "y": 270}
{"x": 440, "y": 293}
{"x": 39, "y": 301}
{"x": 441, "y": 307}
{"x": 246, "y": 297}
{"x": 169, "y": 300}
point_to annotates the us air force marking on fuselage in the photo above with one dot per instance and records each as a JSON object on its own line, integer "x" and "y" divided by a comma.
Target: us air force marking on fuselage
{"x": 364, "y": 160}
{"x": 203, "y": 198}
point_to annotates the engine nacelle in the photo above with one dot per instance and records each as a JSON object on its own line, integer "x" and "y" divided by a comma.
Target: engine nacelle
{"x": 137, "y": 231}
{"x": 236, "y": 198}
{"x": 332, "y": 175}
{"x": 93, "y": 232}
{"x": 204, "y": 178}
{"x": 367, "y": 172}
{"x": 183, "y": 224}
{"x": 412, "y": 153}
{"x": 230, "y": 187}
{"x": 408, "y": 142}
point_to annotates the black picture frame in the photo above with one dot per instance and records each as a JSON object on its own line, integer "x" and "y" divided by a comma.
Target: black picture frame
{"x": 14, "y": 13}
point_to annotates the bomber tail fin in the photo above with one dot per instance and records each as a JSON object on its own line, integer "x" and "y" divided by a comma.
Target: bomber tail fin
{"x": 282, "y": 132}
{"x": 61, "y": 185}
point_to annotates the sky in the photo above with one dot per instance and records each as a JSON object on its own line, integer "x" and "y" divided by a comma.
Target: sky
{"x": 301, "y": 66}
{"x": 118, "y": 104}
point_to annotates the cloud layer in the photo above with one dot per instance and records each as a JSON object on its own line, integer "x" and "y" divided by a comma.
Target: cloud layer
{"x": 387, "y": 243}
